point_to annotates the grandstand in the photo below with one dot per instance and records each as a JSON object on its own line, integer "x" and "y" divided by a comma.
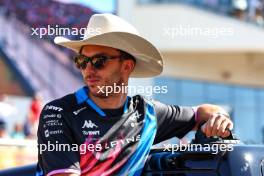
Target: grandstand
{"x": 18, "y": 18}
{"x": 9, "y": 81}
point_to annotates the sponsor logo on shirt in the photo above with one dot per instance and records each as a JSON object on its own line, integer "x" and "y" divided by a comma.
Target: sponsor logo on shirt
{"x": 91, "y": 132}
{"x": 89, "y": 124}
{"x": 52, "y": 116}
{"x": 49, "y": 133}
{"x": 46, "y": 133}
{"x": 51, "y": 107}
{"x": 115, "y": 144}
{"x": 133, "y": 119}
{"x": 136, "y": 116}
{"x": 79, "y": 110}
{"x": 52, "y": 123}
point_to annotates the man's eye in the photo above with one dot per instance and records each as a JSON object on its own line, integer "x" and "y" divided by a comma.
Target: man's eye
{"x": 81, "y": 60}
{"x": 96, "y": 59}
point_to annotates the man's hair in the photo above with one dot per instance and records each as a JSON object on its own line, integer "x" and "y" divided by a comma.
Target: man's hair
{"x": 126, "y": 56}
{"x": 80, "y": 51}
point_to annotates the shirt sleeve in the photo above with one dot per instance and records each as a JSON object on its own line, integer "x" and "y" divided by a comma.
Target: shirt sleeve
{"x": 56, "y": 151}
{"x": 173, "y": 121}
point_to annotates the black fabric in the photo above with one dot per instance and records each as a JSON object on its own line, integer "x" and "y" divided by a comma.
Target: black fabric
{"x": 173, "y": 121}
{"x": 64, "y": 121}
{"x": 54, "y": 127}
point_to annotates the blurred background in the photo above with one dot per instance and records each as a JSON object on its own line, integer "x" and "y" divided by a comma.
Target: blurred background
{"x": 213, "y": 53}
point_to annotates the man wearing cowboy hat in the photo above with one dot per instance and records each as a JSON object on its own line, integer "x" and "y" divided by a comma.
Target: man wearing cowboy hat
{"x": 114, "y": 132}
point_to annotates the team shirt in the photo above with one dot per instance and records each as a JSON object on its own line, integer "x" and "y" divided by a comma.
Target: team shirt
{"x": 76, "y": 136}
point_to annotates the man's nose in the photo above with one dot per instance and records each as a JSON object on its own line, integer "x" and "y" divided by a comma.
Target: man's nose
{"x": 89, "y": 67}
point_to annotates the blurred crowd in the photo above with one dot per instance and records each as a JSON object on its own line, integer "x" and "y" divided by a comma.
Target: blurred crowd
{"x": 20, "y": 130}
{"x": 42, "y": 13}
{"x": 246, "y": 10}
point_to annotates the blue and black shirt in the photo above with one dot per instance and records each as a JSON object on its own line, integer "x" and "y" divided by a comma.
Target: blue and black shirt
{"x": 87, "y": 140}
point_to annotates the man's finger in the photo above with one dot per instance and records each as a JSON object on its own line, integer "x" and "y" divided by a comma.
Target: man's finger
{"x": 203, "y": 128}
{"x": 217, "y": 124}
{"x": 226, "y": 134}
{"x": 210, "y": 125}
{"x": 228, "y": 128}
{"x": 230, "y": 125}
{"x": 223, "y": 128}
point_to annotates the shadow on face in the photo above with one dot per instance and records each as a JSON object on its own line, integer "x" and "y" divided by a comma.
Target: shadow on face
{"x": 115, "y": 71}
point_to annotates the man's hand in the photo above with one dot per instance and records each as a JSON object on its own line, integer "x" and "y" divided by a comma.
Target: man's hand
{"x": 216, "y": 121}
{"x": 218, "y": 125}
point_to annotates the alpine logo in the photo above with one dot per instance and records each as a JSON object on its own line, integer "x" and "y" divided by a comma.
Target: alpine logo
{"x": 89, "y": 124}
{"x": 136, "y": 116}
{"x": 133, "y": 120}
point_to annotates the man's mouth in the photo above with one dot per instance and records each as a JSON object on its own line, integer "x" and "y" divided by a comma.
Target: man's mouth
{"x": 92, "y": 80}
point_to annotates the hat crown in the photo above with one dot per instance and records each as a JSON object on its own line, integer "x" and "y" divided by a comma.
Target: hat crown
{"x": 112, "y": 31}
{"x": 106, "y": 23}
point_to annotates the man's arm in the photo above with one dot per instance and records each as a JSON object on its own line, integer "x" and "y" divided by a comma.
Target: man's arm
{"x": 216, "y": 120}
{"x": 54, "y": 131}
{"x": 173, "y": 121}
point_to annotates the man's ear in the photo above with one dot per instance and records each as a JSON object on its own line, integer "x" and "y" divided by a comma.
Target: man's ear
{"x": 128, "y": 66}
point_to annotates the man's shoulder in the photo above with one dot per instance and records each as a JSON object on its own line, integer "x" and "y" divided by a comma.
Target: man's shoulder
{"x": 62, "y": 103}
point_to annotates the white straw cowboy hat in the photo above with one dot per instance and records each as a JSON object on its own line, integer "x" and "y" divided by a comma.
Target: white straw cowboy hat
{"x": 112, "y": 31}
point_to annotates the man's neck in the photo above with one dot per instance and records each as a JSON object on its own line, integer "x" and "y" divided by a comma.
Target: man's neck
{"x": 110, "y": 102}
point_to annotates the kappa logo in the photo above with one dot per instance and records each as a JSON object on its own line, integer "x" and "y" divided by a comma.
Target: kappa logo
{"x": 89, "y": 124}
{"x": 79, "y": 110}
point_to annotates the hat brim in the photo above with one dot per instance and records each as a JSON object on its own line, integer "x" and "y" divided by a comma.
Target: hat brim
{"x": 148, "y": 59}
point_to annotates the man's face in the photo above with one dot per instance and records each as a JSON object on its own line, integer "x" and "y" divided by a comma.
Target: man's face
{"x": 113, "y": 72}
